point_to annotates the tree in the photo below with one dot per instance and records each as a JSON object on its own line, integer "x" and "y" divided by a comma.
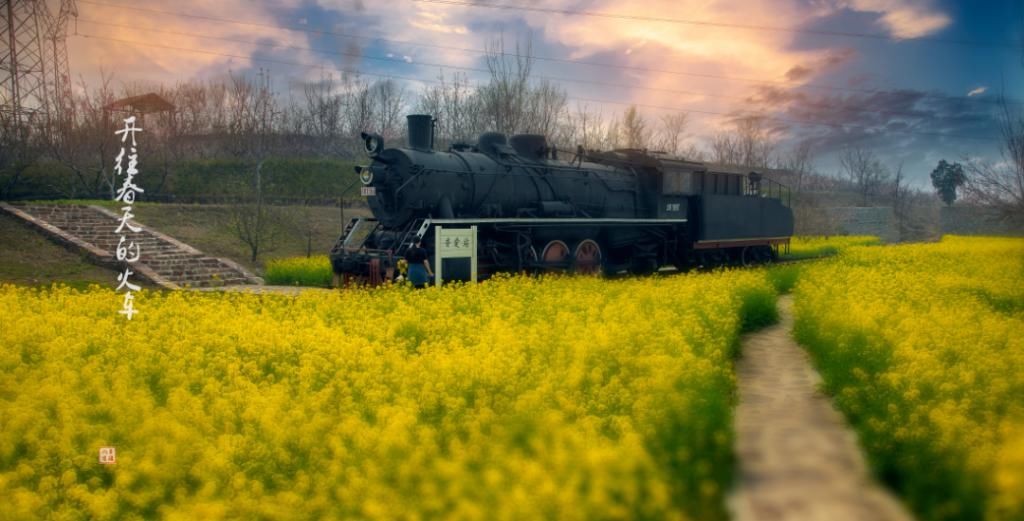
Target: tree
{"x": 359, "y": 108}
{"x": 389, "y": 100}
{"x": 506, "y": 96}
{"x": 546, "y": 106}
{"x": 750, "y": 143}
{"x": 946, "y": 178}
{"x": 509, "y": 102}
{"x": 582, "y": 127}
{"x": 800, "y": 161}
{"x": 322, "y": 112}
{"x": 455, "y": 106}
{"x": 252, "y": 221}
{"x": 900, "y": 201}
{"x": 865, "y": 171}
{"x": 635, "y": 133}
{"x": 1000, "y": 185}
{"x": 670, "y": 135}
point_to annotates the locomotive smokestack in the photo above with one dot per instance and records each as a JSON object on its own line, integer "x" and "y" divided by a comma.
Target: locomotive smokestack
{"x": 421, "y": 131}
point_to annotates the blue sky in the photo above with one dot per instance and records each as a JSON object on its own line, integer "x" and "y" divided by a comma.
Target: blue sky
{"x": 922, "y": 88}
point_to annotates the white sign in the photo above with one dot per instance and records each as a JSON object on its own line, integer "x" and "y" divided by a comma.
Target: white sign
{"x": 367, "y": 191}
{"x": 454, "y": 243}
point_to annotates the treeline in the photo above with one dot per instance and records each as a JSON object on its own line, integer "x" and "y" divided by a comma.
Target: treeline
{"x": 210, "y": 145}
{"x": 227, "y": 126}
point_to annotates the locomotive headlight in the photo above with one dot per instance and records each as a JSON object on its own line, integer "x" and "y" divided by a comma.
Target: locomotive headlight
{"x": 365, "y": 174}
{"x": 373, "y": 143}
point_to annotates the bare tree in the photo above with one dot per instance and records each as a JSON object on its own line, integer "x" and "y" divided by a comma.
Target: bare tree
{"x": 20, "y": 148}
{"x": 546, "y": 106}
{"x": 389, "y": 102}
{"x": 900, "y": 201}
{"x": 865, "y": 171}
{"x": 217, "y": 106}
{"x": 612, "y": 135}
{"x": 252, "y": 116}
{"x": 359, "y": 107}
{"x": 255, "y": 223}
{"x": 670, "y": 135}
{"x": 455, "y": 106}
{"x": 1001, "y": 184}
{"x": 252, "y": 124}
{"x": 505, "y": 98}
{"x": 635, "y": 132}
{"x": 88, "y": 150}
{"x": 322, "y": 114}
{"x": 750, "y": 143}
{"x": 799, "y": 161}
{"x": 582, "y": 127}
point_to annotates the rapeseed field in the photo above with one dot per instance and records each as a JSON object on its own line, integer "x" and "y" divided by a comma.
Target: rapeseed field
{"x": 922, "y": 347}
{"x": 806, "y": 246}
{"x": 299, "y": 271}
{"x": 520, "y": 398}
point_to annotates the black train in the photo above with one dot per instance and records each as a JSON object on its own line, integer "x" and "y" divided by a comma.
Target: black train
{"x": 611, "y": 211}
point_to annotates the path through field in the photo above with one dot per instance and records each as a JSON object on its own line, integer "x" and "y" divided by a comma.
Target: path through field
{"x": 798, "y": 460}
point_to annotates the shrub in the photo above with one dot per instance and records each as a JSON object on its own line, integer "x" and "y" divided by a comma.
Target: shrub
{"x": 299, "y": 271}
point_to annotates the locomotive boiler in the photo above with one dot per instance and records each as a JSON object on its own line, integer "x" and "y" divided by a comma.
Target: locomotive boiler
{"x": 586, "y": 211}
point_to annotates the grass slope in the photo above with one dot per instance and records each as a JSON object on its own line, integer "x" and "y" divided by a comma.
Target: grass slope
{"x": 28, "y": 258}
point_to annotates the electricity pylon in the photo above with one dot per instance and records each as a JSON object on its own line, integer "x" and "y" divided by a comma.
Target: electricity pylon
{"x": 35, "y": 80}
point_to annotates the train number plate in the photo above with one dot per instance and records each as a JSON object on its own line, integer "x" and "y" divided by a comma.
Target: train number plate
{"x": 367, "y": 191}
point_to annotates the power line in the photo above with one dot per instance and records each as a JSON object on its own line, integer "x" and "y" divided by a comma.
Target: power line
{"x": 707, "y": 23}
{"x": 592, "y": 100}
{"x": 502, "y": 53}
{"x": 744, "y": 99}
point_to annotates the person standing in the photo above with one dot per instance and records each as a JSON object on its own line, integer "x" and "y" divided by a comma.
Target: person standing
{"x": 419, "y": 265}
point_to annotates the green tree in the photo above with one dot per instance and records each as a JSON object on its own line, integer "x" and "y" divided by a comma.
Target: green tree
{"x": 946, "y": 178}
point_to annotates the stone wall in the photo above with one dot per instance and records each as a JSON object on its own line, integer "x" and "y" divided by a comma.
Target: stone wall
{"x": 853, "y": 220}
{"x": 974, "y": 220}
{"x": 846, "y": 220}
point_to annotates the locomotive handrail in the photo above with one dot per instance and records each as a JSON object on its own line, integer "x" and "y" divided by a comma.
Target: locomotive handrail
{"x": 768, "y": 188}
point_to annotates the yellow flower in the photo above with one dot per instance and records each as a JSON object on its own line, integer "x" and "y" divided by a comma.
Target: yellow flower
{"x": 923, "y": 345}
{"x": 519, "y": 398}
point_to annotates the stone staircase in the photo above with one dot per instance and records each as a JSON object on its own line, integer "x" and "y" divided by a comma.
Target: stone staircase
{"x": 164, "y": 261}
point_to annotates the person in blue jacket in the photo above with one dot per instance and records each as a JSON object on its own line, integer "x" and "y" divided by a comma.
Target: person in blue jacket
{"x": 419, "y": 265}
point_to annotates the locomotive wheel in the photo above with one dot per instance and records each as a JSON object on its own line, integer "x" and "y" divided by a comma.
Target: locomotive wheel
{"x": 710, "y": 259}
{"x": 587, "y": 259}
{"x": 643, "y": 266}
{"x": 757, "y": 255}
{"x": 748, "y": 256}
{"x": 555, "y": 255}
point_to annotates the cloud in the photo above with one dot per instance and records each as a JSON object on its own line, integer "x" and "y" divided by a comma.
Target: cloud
{"x": 901, "y": 125}
{"x": 798, "y": 72}
{"x": 977, "y": 92}
{"x": 825, "y": 63}
{"x": 159, "y": 62}
{"x": 902, "y": 18}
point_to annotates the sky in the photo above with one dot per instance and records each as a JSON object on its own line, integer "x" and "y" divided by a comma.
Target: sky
{"x": 915, "y": 81}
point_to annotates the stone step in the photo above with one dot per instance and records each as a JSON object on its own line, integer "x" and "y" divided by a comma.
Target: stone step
{"x": 170, "y": 260}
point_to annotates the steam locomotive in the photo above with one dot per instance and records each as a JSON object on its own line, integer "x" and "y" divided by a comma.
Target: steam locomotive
{"x": 622, "y": 210}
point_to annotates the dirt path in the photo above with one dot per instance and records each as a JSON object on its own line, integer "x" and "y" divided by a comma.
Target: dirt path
{"x": 798, "y": 460}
